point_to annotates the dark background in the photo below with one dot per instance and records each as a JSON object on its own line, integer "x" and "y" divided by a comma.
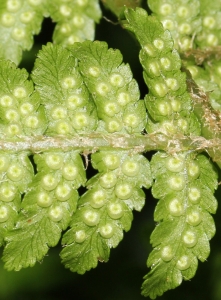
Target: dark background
{"x": 121, "y": 277}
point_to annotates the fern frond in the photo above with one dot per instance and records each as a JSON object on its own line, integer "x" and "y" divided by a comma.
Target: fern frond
{"x": 69, "y": 107}
{"x": 74, "y": 103}
{"x": 52, "y": 197}
{"x": 181, "y": 18}
{"x": 168, "y": 102}
{"x": 19, "y": 21}
{"x": 82, "y": 99}
{"x": 105, "y": 210}
{"x": 185, "y": 227}
{"x": 47, "y": 208}
{"x": 209, "y": 36}
{"x": 20, "y": 114}
{"x": 75, "y": 20}
{"x": 110, "y": 82}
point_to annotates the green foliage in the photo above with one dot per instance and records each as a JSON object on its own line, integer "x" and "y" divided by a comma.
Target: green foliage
{"x": 185, "y": 225}
{"x": 46, "y": 208}
{"x": 81, "y": 99}
{"x": 168, "y": 102}
{"x": 71, "y": 100}
{"x": 112, "y": 86}
{"x": 75, "y": 20}
{"x": 63, "y": 92}
{"x": 105, "y": 210}
{"x": 21, "y": 19}
{"x": 181, "y": 18}
{"x": 181, "y": 236}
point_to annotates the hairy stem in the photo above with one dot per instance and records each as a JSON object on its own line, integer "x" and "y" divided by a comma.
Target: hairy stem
{"x": 98, "y": 141}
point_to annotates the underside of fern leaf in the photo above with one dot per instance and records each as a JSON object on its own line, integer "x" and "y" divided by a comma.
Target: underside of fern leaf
{"x": 21, "y": 19}
{"x": 82, "y": 99}
{"x": 181, "y": 181}
{"x": 105, "y": 210}
{"x": 77, "y": 98}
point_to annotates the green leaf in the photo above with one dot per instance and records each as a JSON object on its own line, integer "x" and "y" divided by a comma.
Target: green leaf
{"x": 88, "y": 241}
{"x": 104, "y": 211}
{"x": 145, "y": 31}
{"x": 154, "y": 286}
{"x": 20, "y": 20}
{"x": 64, "y": 95}
{"x": 20, "y": 110}
{"x": 181, "y": 18}
{"x": 185, "y": 225}
{"x": 165, "y": 232}
{"x": 82, "y": 256}
{"x": 112, "y": 87}
{"x": 47, "y": 208}
{"x": 208, "y": 173}
{"x": 25, "y": 247}
{"x": 16, "y": 173}
{"x": 20, "y": 115}
{"x": 209, "y": 8}
{"x": 168, "y": 103}
{"x": 75, "y": 20}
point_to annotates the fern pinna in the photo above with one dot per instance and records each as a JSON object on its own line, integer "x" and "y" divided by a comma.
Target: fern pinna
{"x": 71, "y": 95}
{"x": 82, "y": 99}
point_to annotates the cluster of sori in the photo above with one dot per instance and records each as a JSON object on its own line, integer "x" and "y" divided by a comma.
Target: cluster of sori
{"x": 190, "y": 22}
{"x": 21, "y": 19}
{"x": 104, "y": 211}
{"x": 115, "y": 92}
{"x": 51, "y": 197}
{"x": 182, "y": 234}
{"x": 181, "y": 18}
{"x": 68, "y": 105}
{"x": 46, "y": 209}
{"x": 183, "y": 212}
{"x": 20, "y": 109}
{"x": 200, "y": 58}
{"x": 20, "y": 114}
{"x": 210, "y": 35}
{"x": 75, "y": 20}
{"x": 168, "y": 102}
{"x": 201, "y": 20}
{"x": 97, "y": 96}
{"x": 16, "y": 173}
